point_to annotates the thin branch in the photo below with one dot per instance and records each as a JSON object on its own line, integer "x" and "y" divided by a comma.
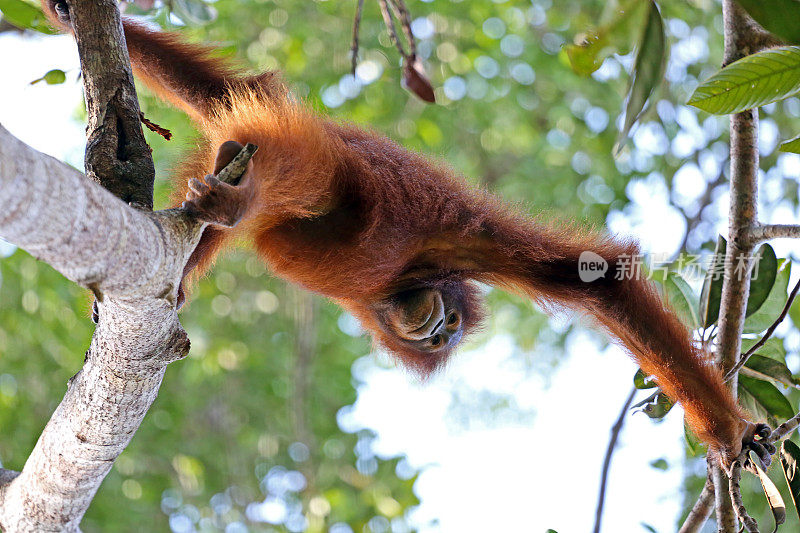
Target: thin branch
{"x": 356, "y": 29}
{"x": 784, "y": 429}
{"x": 743, "y": 215}
{"x": 389, "y": 21}
{"x": 704, "y": 201}
{"x": 701, "y": 510}
{"x": 725, "y": 515}
{"x": 402, "y": 14}
{"x": 735, "y": 491}
{"x": 612, "y": 443}
{"x": 765, "y": 232}
{"x": 767, "y": 334}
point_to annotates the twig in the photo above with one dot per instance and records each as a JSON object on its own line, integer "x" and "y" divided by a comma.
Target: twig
{"x": 402, "y": 14}
{"x": 784, "y": 429}
{"x": 765, "y": 232}
{"x": 152, "y": 126}
{"x": 389, "y": 21}
{"x": 743, "y": 359}
{"x": 704, "y": 201}
{"x": 735, "y": 492}
{"x": 615, "y": 431}
{"x": 701, "y": 510}
{"x": 354, "y": 45}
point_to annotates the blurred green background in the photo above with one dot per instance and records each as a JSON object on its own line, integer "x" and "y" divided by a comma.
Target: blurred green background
{"x": 252, "y": 413}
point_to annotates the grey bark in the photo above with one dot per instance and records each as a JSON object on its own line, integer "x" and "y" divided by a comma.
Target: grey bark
{"x": 133, "y": 266}
{"x": 117, "y": 155}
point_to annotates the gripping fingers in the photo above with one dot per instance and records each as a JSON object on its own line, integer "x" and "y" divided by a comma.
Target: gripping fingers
{"x": 216, "y": 202}
{"x": 196, "y": 189}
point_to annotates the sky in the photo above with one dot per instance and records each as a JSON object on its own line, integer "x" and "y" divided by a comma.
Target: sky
{"x": 479, "y": 472}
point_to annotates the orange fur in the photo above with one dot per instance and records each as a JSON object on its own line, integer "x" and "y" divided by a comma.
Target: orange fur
{"x": 353, "y": 216}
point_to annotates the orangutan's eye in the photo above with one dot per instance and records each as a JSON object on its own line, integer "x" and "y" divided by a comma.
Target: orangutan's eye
{"x": 436, "y": 341}
{"x": 452, "y": 319}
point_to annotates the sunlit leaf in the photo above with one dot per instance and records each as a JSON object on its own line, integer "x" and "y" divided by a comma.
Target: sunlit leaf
{"x": 773, "y": 348}
{"x": 647, "y": 69}
{"x": 778, "y": 17}
{"x": 753, "y": 81}
{"x": 776, "y": 300}
{"x": 682, "y": 299}
{"x": 762, "y": 278}
{"x": 790, "y": 460}
{"x": 660, "y": 464}
{"x": 711, "y": 293}
{"x": 771, "y": 492}
{"x": 26, "y": 16}
{"x": 760, "y": 367}
{"x": 764, "y": 400}
{"x": 658, "y": 407}
{"x": 643, "y": 381}
{"x": 791, "y": 146}
{"x": 52, "y": 77}
{"x": 593, "y": 47}
{"x": 696, "y": 448}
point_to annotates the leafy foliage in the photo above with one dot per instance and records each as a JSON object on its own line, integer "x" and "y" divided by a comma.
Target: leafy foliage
{"x": 779, "y": 17}
{"x": 752, "y": 81}
{"x": 25, "y": 15}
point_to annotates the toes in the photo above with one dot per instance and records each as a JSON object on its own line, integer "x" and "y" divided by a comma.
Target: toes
{"x": 763, "y": 430}
{"x": 214, "y": 182}
{"x": 198, "y": 187}
{"x": 761, "y": 451}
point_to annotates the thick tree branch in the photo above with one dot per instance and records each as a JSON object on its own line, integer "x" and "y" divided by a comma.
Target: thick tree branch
{"x": 117, "y": 155}
{"x": 133, "y": 266}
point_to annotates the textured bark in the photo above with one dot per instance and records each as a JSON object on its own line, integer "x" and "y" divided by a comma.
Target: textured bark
{"x": 766, "y": 232}
{"x": 117, "y": 155}
{"x": 739, "y": 33}
{"x": 133, "y": 266}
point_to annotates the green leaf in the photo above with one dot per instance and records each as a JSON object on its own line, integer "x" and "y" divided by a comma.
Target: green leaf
{"x": 26, "y": 16}
{"x": 752, "y": 81}
{"x": 643, "y": 381}
{"x": 647, "y": 69}
{"x": 659, "y": 406}
{"x": 760, "y": 367}
{"x": 773, "y": 348}
{"x": 660, "y": 464}
{"x": 790, "y": 459}
{"x": 763, "y": 400}
{"x": 771, "y": 492}
{"x": 52, "y": 77}
{"x": 791, "y": 146}
{"x": 778, "y": 17}
{"x": 711, "y": 293}
{"x": 194, "y": 12}
{"x": 696, "y": 448}
{"x": 680, "y": 296}
{"x": 773, "y": 306}
{"x": 593, "y": 47}
{"x": 762, "y": 277}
